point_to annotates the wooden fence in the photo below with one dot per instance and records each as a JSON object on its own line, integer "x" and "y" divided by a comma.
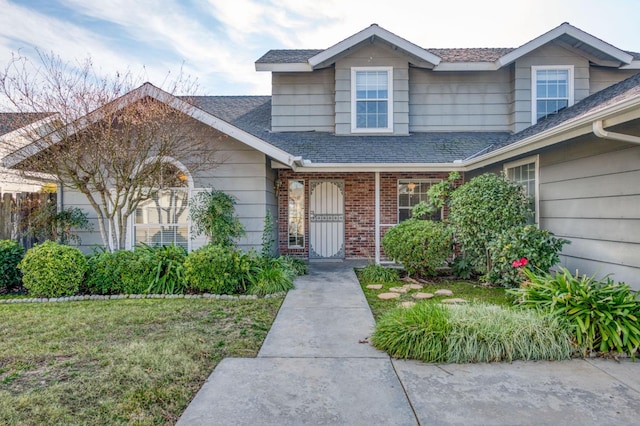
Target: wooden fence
{"x": 15, "y": 211}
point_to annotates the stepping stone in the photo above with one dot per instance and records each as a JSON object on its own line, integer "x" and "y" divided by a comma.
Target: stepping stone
{"x": 454, "y": 301}
{"x": 387, "y": 296}
{"x": 420, "y": 296}
{"x": 408, "y": 304}
{"x": 413, "y": 286}
{"x": 398, "y": 289}
{"x": 374, "y": 286}
{"x": 444, "y": 292}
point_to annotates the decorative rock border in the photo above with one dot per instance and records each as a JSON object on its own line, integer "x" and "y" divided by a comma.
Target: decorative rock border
{"x": 139, "y": 296}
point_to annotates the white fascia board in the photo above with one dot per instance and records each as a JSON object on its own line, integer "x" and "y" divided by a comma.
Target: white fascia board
{"x": 634, "y": 65}
{"x": 371, "y": 31}
{"x": 466, "y": 66}
{"x": 615, "y": 114}
{"x": 377, "y": 167}
{"x": 293, "y": 67}
{"x": 574, "y": 32}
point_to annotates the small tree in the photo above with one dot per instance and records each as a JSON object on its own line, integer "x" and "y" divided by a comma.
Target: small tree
{"x": 108, "y": 139}
{"x": 480, "y": 210}
{"x": 213, "y": 214}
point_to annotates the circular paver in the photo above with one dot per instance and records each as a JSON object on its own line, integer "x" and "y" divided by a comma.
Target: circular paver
{"x": 444, "y": 292}
{"x": 421, "y": 295}
{"x": 408, "y": 304}
{"x": 398, "y": 289}
{"x": 374, "y": 286}
{"x": 387, "y": 296}
{"x": 413, "y": 286}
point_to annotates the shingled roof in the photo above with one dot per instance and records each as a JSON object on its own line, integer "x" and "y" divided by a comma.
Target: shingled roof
{"x": 10, "y": 121}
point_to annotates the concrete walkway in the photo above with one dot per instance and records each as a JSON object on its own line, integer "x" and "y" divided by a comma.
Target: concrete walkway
{"x": 314, "y": 368}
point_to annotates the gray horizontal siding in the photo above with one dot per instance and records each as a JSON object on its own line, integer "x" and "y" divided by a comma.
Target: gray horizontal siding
{"x": 601, "y": 78}
{"x": 590, "y": 195}
{"x": 549, "y": 54}
{"x": 303, "y": 101}
{"x": 460, "y": 101}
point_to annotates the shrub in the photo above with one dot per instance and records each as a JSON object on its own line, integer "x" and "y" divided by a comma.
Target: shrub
{"x": 217, "y": 269}
{"x": 419, "y": 245}
{"x": 108, "y": 271}
{"x": 47, "y": 223}
{"x": 483, "y": 208}
{"x": 52, "y": 270}
{"x": 603, "y": 315}
{"x": 378, "y": 274}
{"x": 164, "y": 271}
{"x": 269, "y": 276}
{"x": 298, "y": 266}
{"x": 471, "y": 333}
{"x": 212, "y": 214}
{"x": 11, "y": 253}
{"x": 538, "y": 246}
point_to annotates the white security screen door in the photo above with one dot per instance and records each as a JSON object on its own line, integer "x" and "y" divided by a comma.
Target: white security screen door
{"x": 326, "y": 219}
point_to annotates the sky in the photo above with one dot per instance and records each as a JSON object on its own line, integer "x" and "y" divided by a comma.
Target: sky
{"x": 218, "y": 41}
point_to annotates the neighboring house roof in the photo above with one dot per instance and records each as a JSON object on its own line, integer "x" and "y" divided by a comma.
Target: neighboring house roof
{"x": 596, "y": 50}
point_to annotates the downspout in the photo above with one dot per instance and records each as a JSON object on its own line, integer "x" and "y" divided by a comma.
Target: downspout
{"x": 599, "y": 131}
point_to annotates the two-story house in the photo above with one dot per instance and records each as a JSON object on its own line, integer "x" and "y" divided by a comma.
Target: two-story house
{"x": 354, "y": 135}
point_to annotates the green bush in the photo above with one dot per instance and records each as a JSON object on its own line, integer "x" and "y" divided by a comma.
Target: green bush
{"x": 164, "y": 273}
{"x": 603, "y": 315}
{"x": 539, "y": 247}
{"x": 52, "y": 270}
{"x": 471, "y": 333}
{"x": 480, "y": 210}
{"x": 269, "y": 276}
{"x": 378, "y": 274}
{"x": 107, "y": 272}
{"x": 298, "y": 266}
{"x": 11, "y": 253}
{"x": 217, "y": 269}
{"x": 213, "y": 214}
{"x": 420, "y": 246}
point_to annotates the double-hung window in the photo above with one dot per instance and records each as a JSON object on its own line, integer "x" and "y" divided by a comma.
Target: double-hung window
{"x": 371, "y": 99}
{"x": 552, "y": 88}
{"x": 525, "y": 173}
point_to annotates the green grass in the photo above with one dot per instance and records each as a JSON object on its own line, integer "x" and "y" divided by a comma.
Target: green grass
{"x": 471, "y": 291}
{"x": 471, "y": 333}
{"x": 119, "y": 361}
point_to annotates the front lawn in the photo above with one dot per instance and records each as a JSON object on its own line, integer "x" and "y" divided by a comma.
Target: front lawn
{"x": 119, "y": 361}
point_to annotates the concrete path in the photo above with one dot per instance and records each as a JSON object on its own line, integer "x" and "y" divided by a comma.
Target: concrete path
{"x": 314, "y": 369}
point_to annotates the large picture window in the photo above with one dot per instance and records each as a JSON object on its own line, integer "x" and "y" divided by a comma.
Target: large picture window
{"x": 371, "y": 95}
{"x": 410, "y": 193}
{"x": 525, "y": 173}
{"x": 296, "y": 213}
{"x": 163, "y": 219}
{"x": 552, "y": 89}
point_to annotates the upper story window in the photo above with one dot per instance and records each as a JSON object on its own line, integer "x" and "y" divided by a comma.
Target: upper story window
{"x": 552, "y": 88}
{"x": 525, "y": 173}
{"x": 371, "y": 99}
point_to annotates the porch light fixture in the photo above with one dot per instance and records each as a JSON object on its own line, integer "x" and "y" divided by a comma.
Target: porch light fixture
{"x": 411, "y": 186}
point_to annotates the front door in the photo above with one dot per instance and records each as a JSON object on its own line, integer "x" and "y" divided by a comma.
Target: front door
{"x": 326, "y": 219}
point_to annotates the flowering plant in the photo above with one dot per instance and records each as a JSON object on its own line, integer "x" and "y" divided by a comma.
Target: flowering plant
{"x": 519, "y": 263}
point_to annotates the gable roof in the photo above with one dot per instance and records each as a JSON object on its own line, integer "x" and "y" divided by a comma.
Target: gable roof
{"x": 454, "y": 59}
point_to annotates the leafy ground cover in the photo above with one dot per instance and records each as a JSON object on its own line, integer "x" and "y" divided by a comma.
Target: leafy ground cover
{"x": 119, "y": 361}
{"x": 471, "y": 291}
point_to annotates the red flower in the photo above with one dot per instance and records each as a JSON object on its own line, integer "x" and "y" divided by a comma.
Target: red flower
{"x": 518, "y": 263}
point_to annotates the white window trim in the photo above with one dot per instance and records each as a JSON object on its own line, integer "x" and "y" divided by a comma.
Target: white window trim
{"x": 403, "y": 181}
{"x": 536, "y": 160}
{"x": 389, "y": 128}
{"x": 534, "y": 69}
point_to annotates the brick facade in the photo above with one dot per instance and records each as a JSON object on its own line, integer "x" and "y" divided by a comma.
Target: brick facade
{"x": 359, "y": 205}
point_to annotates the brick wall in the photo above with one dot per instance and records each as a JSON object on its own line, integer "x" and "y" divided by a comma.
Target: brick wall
{"x": 359, "y": 203}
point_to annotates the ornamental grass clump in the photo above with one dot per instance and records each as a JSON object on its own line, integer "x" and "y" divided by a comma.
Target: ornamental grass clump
{"x": 471, "y": 333}
{"x": 603, "y": 315}
{"x": 376, "y": 274}
{"x": 269, "y": 276}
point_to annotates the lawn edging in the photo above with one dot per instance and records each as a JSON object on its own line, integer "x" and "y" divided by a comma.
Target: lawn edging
{"x": 138, "y": 296}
